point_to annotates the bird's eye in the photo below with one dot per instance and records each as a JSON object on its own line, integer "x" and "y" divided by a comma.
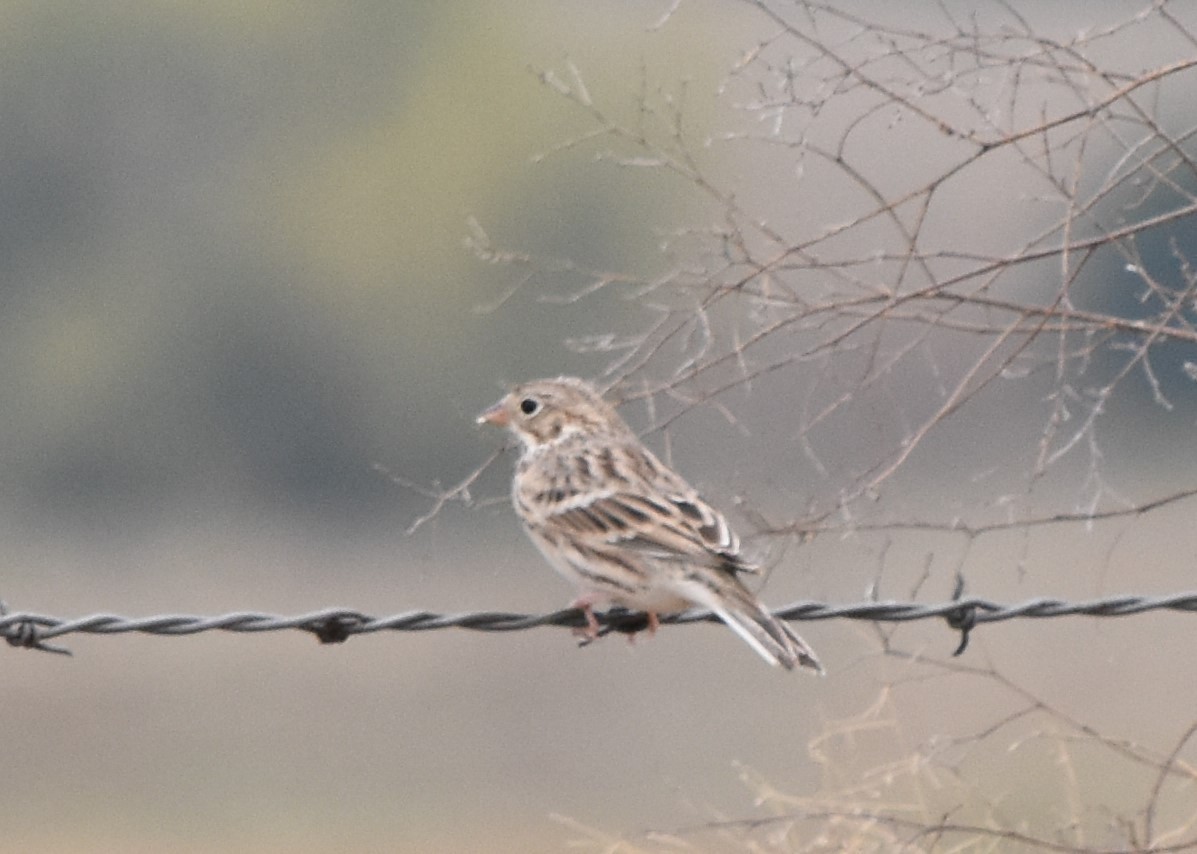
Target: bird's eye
{"x": 528, "y": 406}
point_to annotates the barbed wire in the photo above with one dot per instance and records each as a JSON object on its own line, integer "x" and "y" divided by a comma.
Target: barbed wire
{"x": 335, "y": 625}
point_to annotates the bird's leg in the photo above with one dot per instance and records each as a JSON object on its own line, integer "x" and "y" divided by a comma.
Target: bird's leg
{"x": 654, "y": 623}
{"x": 591, "y": 630}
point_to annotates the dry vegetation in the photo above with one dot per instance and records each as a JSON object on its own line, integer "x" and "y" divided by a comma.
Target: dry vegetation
{"x": 963, "y": 242}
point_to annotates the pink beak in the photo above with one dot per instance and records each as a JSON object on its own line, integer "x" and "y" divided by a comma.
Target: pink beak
{"x": 496, "y": 415}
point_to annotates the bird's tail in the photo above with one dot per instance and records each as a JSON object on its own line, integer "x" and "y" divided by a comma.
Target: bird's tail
{"x": 772, "y": 639}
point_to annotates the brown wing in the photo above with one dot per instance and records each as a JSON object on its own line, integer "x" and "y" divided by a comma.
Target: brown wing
{"x": 659, "y": 525}
{"x": 619, "y": 494}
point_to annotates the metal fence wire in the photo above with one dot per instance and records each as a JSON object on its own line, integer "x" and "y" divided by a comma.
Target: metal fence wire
{"x": 334, "y": 625}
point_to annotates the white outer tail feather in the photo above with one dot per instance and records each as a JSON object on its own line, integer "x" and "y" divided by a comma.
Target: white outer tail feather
{"x": 753, "y": 624}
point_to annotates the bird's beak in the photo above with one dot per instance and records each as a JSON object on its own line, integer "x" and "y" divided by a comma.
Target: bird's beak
{"x": 496, "y": 415}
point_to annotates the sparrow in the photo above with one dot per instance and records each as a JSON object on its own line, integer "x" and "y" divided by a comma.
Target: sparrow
{"x": 625, "y": 528}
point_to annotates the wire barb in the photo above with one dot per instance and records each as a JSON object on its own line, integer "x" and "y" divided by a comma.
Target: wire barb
{"x": 336, "y": 625}
{"x": 963, "y": 619}
{"x": 24, "y": 633}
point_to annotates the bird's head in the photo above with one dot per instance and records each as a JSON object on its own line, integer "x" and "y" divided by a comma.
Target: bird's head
{"x": 541, "y": 412}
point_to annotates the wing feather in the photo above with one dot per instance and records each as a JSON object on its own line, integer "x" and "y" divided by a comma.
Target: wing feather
{"x": 662, "y": 527}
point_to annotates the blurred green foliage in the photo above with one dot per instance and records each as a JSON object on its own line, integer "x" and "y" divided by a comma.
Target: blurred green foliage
{"x": 231, "y": 238}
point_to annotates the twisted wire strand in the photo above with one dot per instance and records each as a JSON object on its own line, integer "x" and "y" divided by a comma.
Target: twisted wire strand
{"x": 334, "y": 625}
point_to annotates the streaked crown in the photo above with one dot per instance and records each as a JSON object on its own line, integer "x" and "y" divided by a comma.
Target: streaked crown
{"x": 544, "y": 411}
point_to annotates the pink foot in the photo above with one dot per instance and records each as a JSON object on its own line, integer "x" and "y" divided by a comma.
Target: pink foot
{"x": 653, "y": 624}
{"x": 591, "y": 630}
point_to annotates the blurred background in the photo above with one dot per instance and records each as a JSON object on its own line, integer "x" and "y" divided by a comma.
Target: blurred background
{"x": 243, "y": 304}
